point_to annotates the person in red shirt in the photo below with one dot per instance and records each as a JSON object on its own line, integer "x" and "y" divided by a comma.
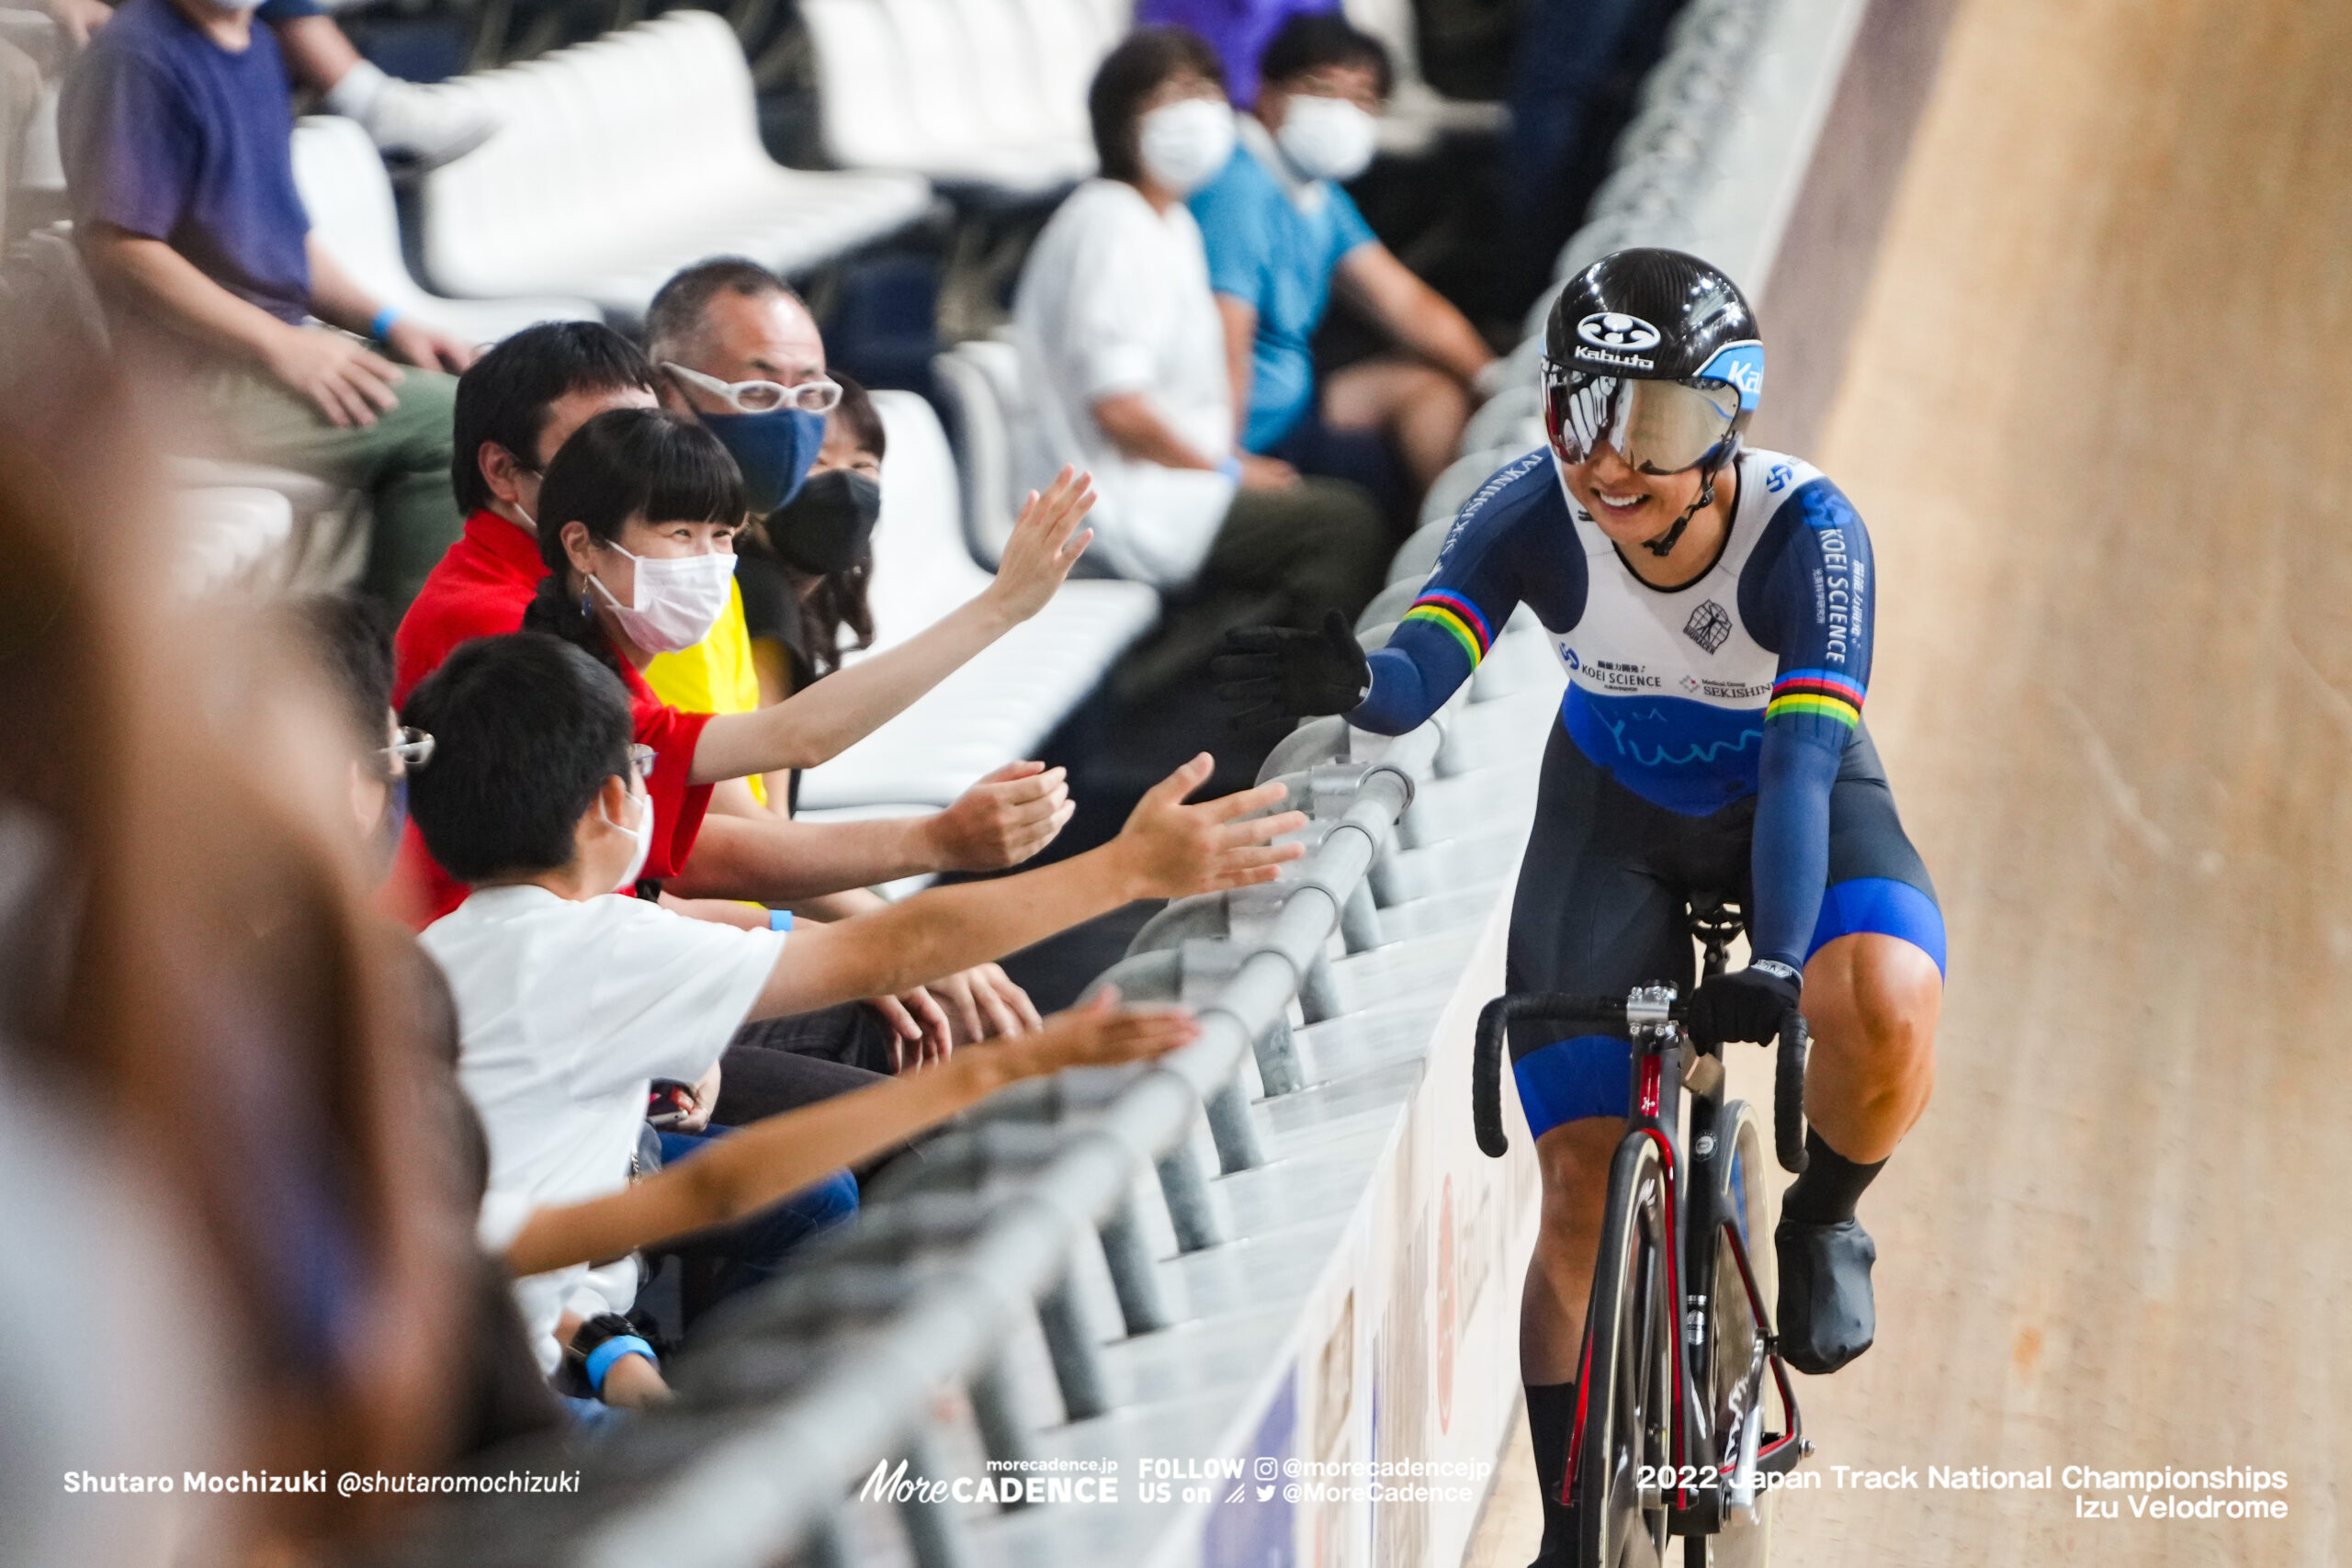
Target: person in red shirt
{"x": 515, "y": 408}
{"x": 637, "y": 524}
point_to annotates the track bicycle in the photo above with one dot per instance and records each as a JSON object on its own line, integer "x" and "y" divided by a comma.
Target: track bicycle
{"x": 1670, "y": 1434}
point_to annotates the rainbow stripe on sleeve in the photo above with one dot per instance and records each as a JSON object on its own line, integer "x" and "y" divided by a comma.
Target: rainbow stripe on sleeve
{"x": 1457, "y": 617}
{"x": 1818, "y": 692}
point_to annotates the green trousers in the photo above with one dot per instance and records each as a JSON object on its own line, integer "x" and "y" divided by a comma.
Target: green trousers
{"x": 1282, "y": 558}
{"x": 401, "y": 462}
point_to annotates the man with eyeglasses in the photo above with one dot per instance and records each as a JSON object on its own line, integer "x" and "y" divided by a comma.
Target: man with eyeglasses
{"x": 737, "y": 349}
{"x": 1711, "y": 607}
{"x": 734, "y": 348}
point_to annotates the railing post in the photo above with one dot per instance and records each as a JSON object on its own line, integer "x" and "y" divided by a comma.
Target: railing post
{"x": 1078, "y": 1362}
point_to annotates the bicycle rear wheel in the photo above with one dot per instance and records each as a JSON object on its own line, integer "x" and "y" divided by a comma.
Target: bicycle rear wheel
{"x": 1730, "y": 1367}
{"x": 1629, "y": 1385}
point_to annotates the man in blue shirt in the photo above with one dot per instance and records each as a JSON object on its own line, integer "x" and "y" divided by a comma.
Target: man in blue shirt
{"x": 1281, "y": 233}
{"x": 176, "y": 134}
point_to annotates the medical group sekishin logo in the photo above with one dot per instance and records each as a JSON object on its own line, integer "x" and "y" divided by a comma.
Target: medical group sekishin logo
{"x": 1617, "y": 331}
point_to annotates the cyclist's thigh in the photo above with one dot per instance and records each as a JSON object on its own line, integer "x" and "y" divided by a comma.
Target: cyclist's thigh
{"x": 1590, "y": 916}
{"x": 1877, "y": 881}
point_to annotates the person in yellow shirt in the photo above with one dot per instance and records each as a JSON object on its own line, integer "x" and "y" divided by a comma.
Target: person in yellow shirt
{"x": 716, "y": 675}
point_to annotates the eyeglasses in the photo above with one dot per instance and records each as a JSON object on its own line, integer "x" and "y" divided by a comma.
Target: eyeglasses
{"x": 640, "y": 757}
{"x": 819, "y": 396}
{"x": 412, "y": 750}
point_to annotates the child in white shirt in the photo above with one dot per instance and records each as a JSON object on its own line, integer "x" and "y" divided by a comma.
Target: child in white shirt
{"x": 570, "y": 998}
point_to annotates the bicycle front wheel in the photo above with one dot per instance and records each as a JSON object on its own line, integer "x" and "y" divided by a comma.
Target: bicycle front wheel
{"x": 1629, "y": 1384}
{"x": 1730, "y": 1367}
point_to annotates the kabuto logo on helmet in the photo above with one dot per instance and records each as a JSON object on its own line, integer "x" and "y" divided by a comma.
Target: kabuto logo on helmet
{"x": 1615, "y": 329}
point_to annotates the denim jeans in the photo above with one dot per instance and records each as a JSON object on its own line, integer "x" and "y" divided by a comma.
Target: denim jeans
{"x": 728, "y": 1259}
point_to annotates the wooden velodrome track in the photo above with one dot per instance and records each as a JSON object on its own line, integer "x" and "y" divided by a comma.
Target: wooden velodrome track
{"x": 2099, "y": 416}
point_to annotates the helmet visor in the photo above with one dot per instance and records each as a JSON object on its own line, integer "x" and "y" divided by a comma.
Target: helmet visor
{"x": 1658, "y": 427}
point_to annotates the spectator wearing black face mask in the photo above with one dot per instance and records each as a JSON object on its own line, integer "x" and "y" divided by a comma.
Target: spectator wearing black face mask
{"x": 806, "y": 569}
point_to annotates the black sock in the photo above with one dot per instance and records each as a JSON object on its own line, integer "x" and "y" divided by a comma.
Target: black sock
{"x": 1832, "y": 1184}
{"x": 1551, "y": 1414}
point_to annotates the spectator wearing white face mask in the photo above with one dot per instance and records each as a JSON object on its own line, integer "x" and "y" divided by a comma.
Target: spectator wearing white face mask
{"x": 1123, "y": 354}
{"x": 1281, "y": 234}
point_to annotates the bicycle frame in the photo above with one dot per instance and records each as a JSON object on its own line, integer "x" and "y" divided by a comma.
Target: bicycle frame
{"x": 1692, "y": 1218}
{"x": 1650, "y": 1017}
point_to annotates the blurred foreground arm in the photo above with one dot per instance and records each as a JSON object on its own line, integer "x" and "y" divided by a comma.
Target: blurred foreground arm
{"x": 734, "y": 1175}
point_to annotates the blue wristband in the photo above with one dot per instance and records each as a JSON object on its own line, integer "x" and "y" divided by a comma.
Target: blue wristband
{"x": 779, "y": 920}
{"x": 601, "y": 1359}
{"x": 383, "y": 322}
{"x": 1230, "y": 468}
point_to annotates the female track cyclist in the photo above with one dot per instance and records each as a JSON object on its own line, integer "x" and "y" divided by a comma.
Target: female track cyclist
{"x": 1712, "y": 608}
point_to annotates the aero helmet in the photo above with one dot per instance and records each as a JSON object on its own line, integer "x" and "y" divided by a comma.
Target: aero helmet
{"x": 1655, "y": 353}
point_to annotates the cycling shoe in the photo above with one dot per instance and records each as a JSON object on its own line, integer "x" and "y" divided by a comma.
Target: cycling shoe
{"x": 1826, "y": 1318}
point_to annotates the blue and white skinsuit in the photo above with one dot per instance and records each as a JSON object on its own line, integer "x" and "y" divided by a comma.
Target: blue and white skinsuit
{"x": 1711, "y": 741}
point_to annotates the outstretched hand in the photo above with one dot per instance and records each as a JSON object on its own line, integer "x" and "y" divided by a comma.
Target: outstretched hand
{"x": 1003, "y": 820}
{"x": 1046, "y": 543}
{"x": 1274, "y": 674}
{"x": 1173, "y": 849}
{"x": 1101, "y": 1034}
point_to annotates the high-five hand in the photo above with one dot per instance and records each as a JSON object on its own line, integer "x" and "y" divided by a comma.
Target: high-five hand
{"x": 1275, "y": 674}
{"x": 1046, "y": 543}
{"x": 1172, "y": 850}
{"x": 1101, "y": 1034}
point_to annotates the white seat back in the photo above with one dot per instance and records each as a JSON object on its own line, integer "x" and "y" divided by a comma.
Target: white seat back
{"x": 1390, "y": 21}
{"x": 983, "y": 451}
{"x": 636, "y": 131}
{"x": 1005, "y": 72}
{"x": 1114, "y": 19}
{"x": 349, "y": 199}
{"x": 864, "y": 110}
{"x": 939, "y": 72}
{"x": 1066, "y": 38}
{"x": 921, "y": 567}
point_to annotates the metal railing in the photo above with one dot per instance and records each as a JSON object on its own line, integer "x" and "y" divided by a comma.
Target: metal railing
{"x": 794, "y": 1398}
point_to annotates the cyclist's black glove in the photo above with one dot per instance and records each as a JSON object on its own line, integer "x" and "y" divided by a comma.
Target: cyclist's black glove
{"x": 1747, "y": 1004}
{"x": 1272, "y": 675}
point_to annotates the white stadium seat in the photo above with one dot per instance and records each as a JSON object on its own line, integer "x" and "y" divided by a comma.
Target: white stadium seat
{"x": 622, "y": 160}
{"x": 228, "y": 535}
{"x": 982, "y": 383}
{"x": 1066, "y": 40}
{"x": 1005, "y": 72}
{"x": 1002, "y": 703}
{"x": 349, "y": 198}
{"x": 949, "y": 89}
{"x": 866, "y": 111}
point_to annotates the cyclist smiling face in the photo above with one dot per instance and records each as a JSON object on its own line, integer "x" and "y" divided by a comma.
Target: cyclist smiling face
{"x": 1633, "y": 507}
